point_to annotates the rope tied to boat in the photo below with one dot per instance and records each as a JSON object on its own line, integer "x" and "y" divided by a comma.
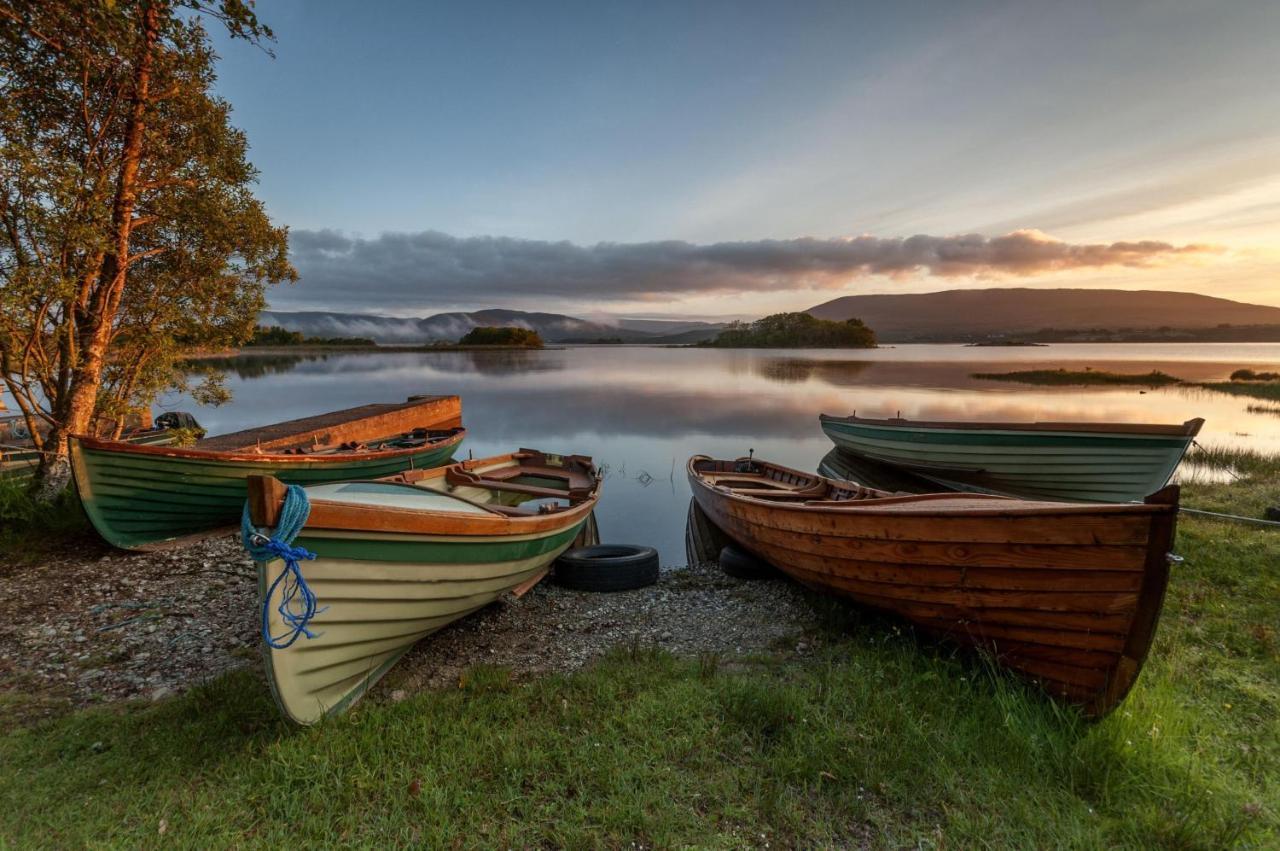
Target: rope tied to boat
{"x": 298, "y": 604}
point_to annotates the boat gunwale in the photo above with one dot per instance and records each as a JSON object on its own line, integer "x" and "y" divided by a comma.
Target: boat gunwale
{"x": 1001, "y": 504}
{"x": 1189, "y": 429}
{"x": 456, "y": 436}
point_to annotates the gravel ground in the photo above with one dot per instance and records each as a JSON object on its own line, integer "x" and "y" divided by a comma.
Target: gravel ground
{"x": 103, "y": 626}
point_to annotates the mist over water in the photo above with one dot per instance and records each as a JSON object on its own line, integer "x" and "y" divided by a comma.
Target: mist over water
{"x": 641, "y": 412}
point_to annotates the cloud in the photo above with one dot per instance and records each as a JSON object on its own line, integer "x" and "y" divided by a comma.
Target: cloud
{"x": 411, "y": 269}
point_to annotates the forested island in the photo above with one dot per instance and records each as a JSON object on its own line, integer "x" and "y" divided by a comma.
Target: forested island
{"x": 487, "y": 335}
{"x": 795, "y": 331}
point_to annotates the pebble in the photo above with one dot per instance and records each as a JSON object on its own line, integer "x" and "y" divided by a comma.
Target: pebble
{"x": 153, "y": 625}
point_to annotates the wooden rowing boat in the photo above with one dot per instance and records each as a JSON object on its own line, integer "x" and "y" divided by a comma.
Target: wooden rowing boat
{"x": 149, "y": 497}
{"x": 401, "y": 557}
{"x": 1085, "y": 462}
{"x": 1064, "y": 593}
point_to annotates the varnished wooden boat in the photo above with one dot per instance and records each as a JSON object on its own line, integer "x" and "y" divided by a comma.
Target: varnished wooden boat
{"x": 1086, "y": 462}
{"x": 401, "y": 557}
{"x": 151, "y": 497}
{"x": 1064, "y": 593}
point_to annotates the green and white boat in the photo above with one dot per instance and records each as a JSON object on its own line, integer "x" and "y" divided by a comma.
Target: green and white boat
{"x": 154, "y": 497}
{"x": 399, "y": 558}
{"x": 1084, "y": 462}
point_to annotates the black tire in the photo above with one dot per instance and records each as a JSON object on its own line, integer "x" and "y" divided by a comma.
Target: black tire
{"x": 607, "y": 567}
{"x": 743, "y": 565}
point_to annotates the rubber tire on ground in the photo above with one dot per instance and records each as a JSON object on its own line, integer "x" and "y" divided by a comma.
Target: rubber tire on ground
{"x": 743, "y": 565}
{"x": 607, "y": 567}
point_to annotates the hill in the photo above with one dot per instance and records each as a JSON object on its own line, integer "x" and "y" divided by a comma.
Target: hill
{"x": 552, "y": 327}
{"x": 964, "y": 315}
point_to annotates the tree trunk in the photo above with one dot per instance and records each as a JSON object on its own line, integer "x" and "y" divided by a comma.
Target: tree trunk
{"x": 95, "y": 315}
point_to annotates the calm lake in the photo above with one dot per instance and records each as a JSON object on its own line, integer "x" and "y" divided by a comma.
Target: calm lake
{"x": 641, "y": 412}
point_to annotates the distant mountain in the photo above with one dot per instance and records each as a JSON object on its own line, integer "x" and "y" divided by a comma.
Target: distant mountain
{"x": 962, "y": 315}
{"x": 553, "y": 327}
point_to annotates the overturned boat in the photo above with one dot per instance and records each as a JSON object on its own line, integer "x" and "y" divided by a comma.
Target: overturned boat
{"x": 1085, "y": 462}
{"x": 387, "y": 562}
{"x": 1066, "y": 594}
{"x": 142, "y": 497}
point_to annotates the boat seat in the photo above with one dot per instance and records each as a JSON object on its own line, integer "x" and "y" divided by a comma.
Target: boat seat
{"x": 811, "y": 492}
{"x": 463, "y": 478}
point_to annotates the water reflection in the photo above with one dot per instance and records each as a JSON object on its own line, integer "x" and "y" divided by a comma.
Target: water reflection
{"x": 498, "y": 362}
{"x": 644, "y": 411}
{"x": 792, "y": 370}
{"x": 837, "y": 464}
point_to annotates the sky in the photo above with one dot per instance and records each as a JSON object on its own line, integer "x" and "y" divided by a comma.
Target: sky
{"x": 708, "y": 159}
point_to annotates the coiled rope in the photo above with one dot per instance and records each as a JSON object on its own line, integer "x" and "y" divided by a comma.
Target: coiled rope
{"x": 297, "y": 600}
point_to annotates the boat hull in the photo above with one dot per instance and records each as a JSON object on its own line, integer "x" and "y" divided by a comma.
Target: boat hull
{"x": 1039, "y": 463}
{"x": 144, "y": 498}
{"x": 1068, "y": 596}
{"x": 380, "y": 595}
{"x": 400, "y": 558}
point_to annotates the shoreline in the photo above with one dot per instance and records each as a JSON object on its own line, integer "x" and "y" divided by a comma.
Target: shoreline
{"x": 116, "y": 627}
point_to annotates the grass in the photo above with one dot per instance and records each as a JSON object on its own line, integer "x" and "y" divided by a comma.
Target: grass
{"x": 877, "y": 739}
{"x": 30, "y": 529}
{"x": 1069, "y": 377}
{"x": 1268, "y": 390}
{"x": 1261, "y": 389}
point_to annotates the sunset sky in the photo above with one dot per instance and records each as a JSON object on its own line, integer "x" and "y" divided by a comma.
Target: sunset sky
{"x": 737, "y": 158}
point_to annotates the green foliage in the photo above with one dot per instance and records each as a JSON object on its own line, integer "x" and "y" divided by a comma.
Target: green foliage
{"x": 274, "y": 335}
{"x": 1155, "y": 378}
{"x": 31, "y": 529}
{"x": 1250, "y": 375}
{"x": 796, "y": 330}
{"x": 505, "y": 336}
{"x": 130, "y": 232}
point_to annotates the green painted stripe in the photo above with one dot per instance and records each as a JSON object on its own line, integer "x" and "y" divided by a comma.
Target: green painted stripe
{"x": 427, "y": 551}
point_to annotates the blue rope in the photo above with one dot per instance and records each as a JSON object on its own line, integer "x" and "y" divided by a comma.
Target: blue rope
{"x": 297, "y": 600}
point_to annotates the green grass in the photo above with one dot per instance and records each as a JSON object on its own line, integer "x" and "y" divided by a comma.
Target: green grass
{"x": 1269, "y": 390}
{"x": 31, "y": 529}
{"x": 1068, "y": 377}
{"x": 879, "y": 739}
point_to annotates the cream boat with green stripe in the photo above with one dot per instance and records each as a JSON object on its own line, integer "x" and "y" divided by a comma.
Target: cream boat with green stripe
{"x": 1083, "y": 462}
{"x": 399, "y": 558}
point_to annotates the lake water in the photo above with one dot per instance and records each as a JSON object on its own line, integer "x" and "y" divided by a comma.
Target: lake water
{"x": 641, "y": 412}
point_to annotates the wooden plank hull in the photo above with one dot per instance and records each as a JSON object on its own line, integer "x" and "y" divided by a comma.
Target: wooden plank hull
{"x": 1065, "y": 594}
{"x": 379, "y": 601}
{"x": 1039, "y": 461}
{"x": 147, "y": 498}
{"x": 397, "y": 568}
